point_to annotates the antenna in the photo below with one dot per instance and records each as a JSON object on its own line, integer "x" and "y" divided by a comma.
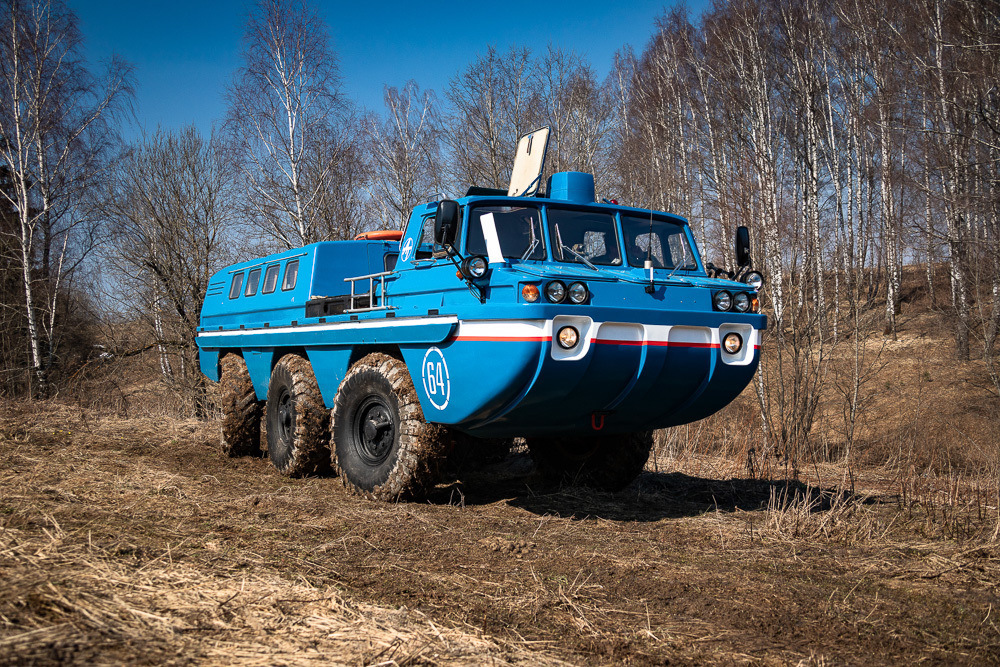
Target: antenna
{"x": 529, "y": 161}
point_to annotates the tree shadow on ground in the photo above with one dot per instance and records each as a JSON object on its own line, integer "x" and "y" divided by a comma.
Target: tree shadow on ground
{"x": 651, "y": 497}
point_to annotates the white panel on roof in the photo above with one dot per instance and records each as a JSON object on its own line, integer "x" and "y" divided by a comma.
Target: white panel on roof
{"x": 526, "y": 177}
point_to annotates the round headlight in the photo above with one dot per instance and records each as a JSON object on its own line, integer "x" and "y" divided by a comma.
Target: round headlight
{"x": 555, "y": 291}
{"x": 529, "y": 293}
{"x": 732, "y": 342}
{"x": 741, "y": 302}
{"x": 475, "y": 266}
{"x": 578, "y": 293}
{"x": 722, "y": 300}
{"x": 568, "y": 337}
{"x": 754, "y": 279}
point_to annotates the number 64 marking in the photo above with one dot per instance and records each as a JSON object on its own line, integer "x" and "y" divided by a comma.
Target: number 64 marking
{"x": 437, "y": 383}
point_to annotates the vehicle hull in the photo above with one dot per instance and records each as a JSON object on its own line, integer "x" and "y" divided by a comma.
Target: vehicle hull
{"x": 510, "y": 377}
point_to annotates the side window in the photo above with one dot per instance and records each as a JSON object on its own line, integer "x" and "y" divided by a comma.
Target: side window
{"x": 426, "y": 248}
{"x": 390, "y": 260}
{"x": 270, "y": 279}
{"x": 237, "y": 286}
{"x": 291, "y": 275}
{"x": 253, "y": 279}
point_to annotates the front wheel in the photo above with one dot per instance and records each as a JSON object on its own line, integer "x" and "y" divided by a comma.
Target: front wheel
{"x": 384, "y": 448}
{"x": 606, "y": 462}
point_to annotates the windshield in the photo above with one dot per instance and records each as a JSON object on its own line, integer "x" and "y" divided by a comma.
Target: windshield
{"x": 519, "y": 229}
{"x": 661, "y": 241}
{"x": 583, "y": 237}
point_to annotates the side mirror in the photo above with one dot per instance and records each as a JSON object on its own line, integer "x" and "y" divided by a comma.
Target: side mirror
{"x": 742, "y": 246}
{"x": 446, "y": 223}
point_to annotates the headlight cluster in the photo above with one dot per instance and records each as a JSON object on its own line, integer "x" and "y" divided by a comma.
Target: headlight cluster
{"x": 740, "y": 302}
{"x": 556, "y": 291}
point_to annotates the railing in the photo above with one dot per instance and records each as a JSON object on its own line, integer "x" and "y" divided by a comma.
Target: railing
{"x": 376, "y": 298}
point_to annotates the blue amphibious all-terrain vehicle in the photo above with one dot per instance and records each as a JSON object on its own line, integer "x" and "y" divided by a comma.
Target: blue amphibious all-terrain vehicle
{"x": 577, "y": 325}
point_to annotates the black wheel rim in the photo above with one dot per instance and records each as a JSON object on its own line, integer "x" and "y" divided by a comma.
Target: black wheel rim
{"x": 374, "y": 431}
{"x": 286, "y": 415}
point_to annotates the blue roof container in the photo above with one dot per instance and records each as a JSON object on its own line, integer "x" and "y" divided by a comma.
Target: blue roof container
{"x": 572, "y": 186}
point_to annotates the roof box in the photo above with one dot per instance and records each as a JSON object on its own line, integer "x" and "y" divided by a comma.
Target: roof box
{"x": 572, "y": 186}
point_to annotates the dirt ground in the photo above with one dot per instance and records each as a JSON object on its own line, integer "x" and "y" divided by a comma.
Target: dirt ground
{"x": 138, "y": 542}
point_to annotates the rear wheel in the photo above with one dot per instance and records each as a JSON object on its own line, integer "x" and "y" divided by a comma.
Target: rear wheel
{"x": 606, "y": 462}
{"x": 384, "y": 448}
{"x": 298, "y": 424}
{"x": 241, "y": 411}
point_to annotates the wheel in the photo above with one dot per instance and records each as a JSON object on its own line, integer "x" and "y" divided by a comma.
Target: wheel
{"x": 606, "y": 462}
{"x": 384, "y": 448}
{"x": 241, "y": 411}
{"x": 298, "y": 424}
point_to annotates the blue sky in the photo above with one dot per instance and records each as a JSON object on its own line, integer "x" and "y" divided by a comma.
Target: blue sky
{"x": 186, "y": 50}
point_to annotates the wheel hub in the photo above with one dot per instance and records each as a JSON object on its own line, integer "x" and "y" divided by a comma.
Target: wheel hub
{"x": 286, "y": 415}
{"x": 376, "y": 432}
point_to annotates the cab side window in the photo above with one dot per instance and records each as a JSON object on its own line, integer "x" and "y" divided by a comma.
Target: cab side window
{"x": 426, "y": 248}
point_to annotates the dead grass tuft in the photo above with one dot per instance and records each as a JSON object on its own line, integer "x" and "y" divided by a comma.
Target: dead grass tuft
{"x": 66, "y": 599}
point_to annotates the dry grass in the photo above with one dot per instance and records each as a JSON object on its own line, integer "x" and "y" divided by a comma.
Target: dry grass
{"x": 67, "y": 600}
{"x": 135, "y": 541}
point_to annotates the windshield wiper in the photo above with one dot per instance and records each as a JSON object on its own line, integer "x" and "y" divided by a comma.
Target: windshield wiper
{"x": 575, "y": 253}
{"x": 533, "y": 245}
{"x": 579, "y": 256}
{"x": 682, "y": 267}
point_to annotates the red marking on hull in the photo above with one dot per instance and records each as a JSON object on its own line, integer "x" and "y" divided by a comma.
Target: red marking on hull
{"x": 506, "y": 339}
{"x": 655, "y": 343}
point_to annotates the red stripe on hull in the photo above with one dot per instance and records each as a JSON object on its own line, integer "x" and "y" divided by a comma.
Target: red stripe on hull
{"x": 505, "y": 339}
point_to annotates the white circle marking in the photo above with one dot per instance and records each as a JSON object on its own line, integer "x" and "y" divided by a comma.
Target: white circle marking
{"x": 437, "y": 382}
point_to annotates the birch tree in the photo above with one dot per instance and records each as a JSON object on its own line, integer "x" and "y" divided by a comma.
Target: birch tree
{"x": 286, "y": 111}
{"x": 55, "y": 129}
{"x": 405, "y": 152}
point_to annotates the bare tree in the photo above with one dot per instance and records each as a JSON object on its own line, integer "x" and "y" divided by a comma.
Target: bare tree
{"x": 54, "y": 135}
{"x": 287, "y": 122}
{"x": 494, "y": 101}
{"x": 171, "y": 211}
{"x": 579, "y": 111}
{"x": 405, "y": 152}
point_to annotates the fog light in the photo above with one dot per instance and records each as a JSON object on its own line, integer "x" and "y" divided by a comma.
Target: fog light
{"x": 741, "y": 302}
{"x": 732, "y": 343}
{"x": 555, "y": 291}
{"x": 568, "y": 337}
{"x": 722, "y": 300}
{"x": 529, "y": 293}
